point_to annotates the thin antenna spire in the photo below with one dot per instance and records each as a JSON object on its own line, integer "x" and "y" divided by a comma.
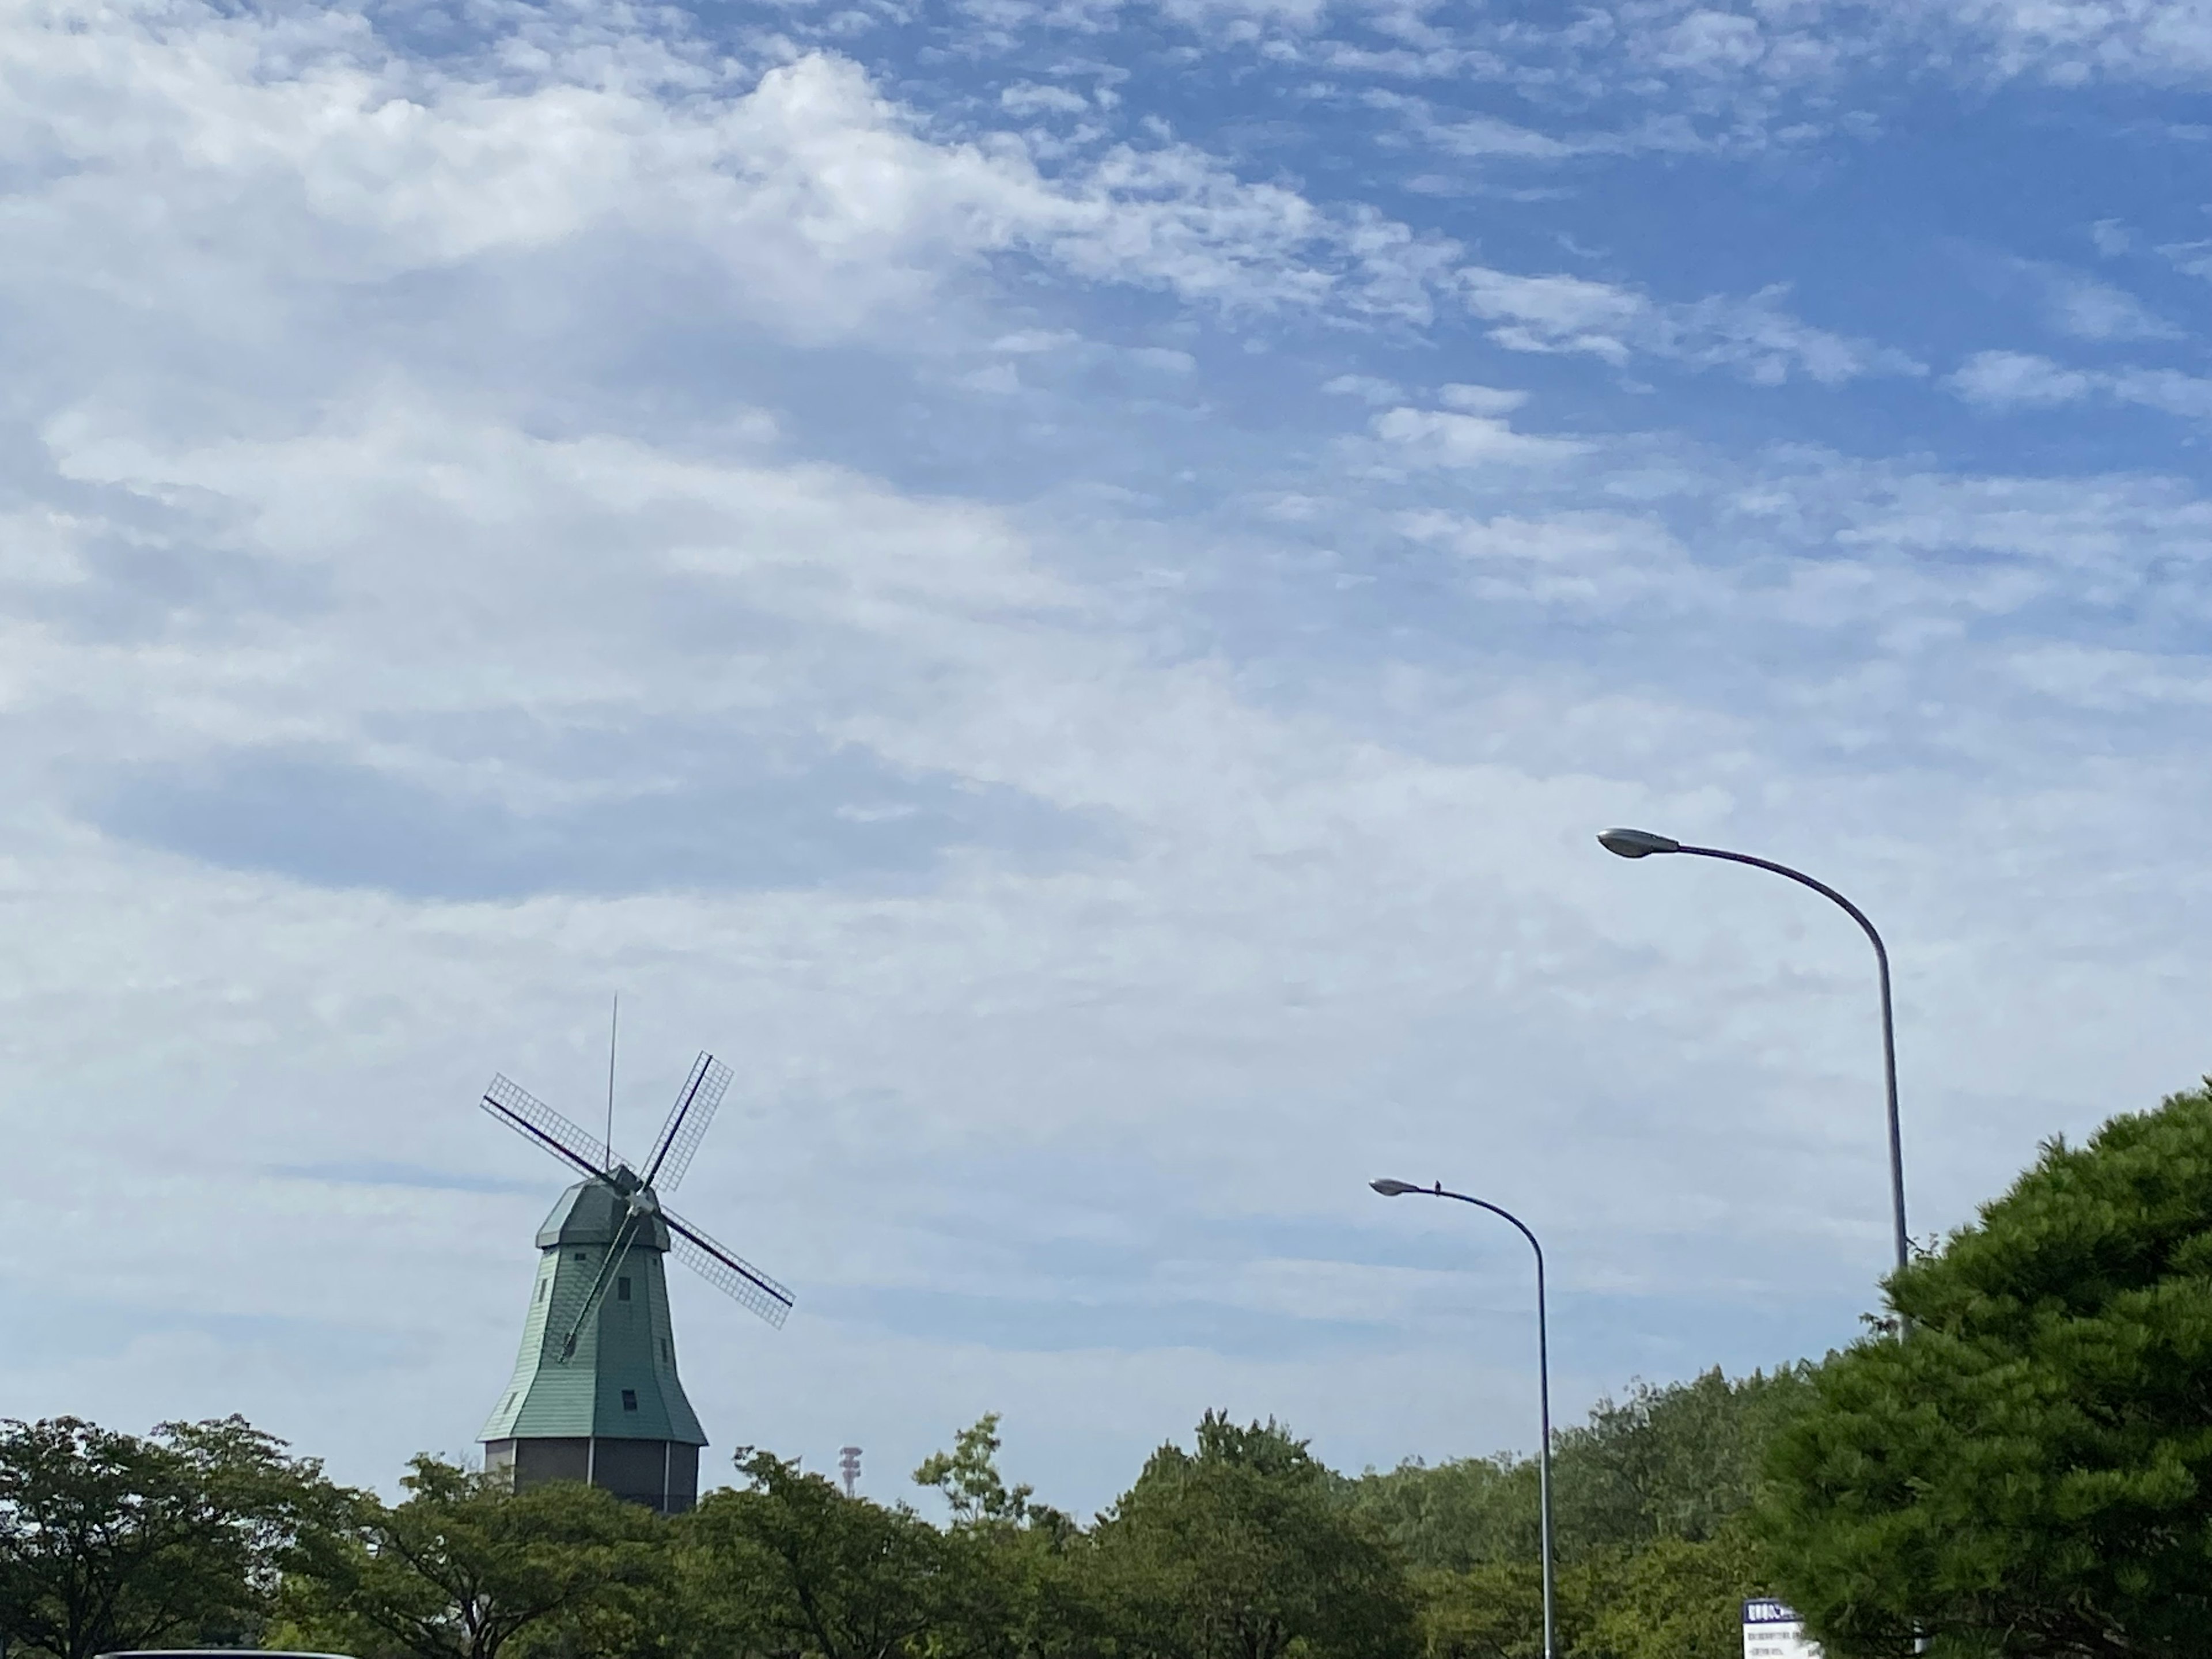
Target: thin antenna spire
{"x": 614, "y": 1030}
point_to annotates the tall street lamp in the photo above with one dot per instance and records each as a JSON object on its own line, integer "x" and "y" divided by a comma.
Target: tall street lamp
{"x": 1395, "y": 1188}
{"x": 1642, "y": 843}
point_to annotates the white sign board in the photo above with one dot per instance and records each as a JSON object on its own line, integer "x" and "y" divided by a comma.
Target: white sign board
{"x": 1772, "y": 1630}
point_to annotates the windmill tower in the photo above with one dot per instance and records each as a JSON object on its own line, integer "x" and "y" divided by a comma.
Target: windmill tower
{"x": 595, "y": 1394}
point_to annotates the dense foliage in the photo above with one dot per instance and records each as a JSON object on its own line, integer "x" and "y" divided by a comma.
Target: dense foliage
{"x": 1648, "y": 1496}
{"x": 1243, "y": 1545}
{"x": 111, "y": 1541}
{"x": 2027, "y": 1469}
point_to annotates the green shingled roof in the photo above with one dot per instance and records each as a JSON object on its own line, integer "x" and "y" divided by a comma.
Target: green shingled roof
{"x": 626, "y": 1351}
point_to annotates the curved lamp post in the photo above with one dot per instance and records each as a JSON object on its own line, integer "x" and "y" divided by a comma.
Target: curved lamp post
{"x": 1395, "y": 1188}
{"x": 1642, "y": 843}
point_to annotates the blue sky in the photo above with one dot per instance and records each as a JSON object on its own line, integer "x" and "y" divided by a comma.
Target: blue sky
{"x": 1065, "y": 586}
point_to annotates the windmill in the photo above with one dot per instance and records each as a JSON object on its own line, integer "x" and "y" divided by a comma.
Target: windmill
{"x": 595, "y": 1394}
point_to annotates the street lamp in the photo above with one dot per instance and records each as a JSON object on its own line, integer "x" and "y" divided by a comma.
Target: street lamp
{"x": 1395, "y": 1188}
{"x": 1642, "y": 844}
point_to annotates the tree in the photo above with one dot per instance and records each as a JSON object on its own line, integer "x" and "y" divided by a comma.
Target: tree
{"x": 108, "y": 1540}
{"x": 1677, "y": 1598}
{"x": 1242, "y": 1549}
{"x": 1455, "y": 1516}
{"x": 464, "y": 1564}
{"x": 1671, "y": 1463}
{"x": 792, "y": 1567}
{"x": 2027, "y": 1468}
{"x": 1014, "y": 1583}
{"x": 1676, "y": 1461}
{"x": 969, "y": 1477}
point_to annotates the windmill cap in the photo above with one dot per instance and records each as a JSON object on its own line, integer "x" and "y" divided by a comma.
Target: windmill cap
{"x": 592, "y": 1212}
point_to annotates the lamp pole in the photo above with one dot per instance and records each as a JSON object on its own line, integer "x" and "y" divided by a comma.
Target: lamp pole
{"x": 1642, "y": 843}
{"x": 1395, "y": 1188}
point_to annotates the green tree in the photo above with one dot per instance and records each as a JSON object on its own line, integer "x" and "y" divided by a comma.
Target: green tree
{"x": 1242, "y": 1550}
{"x": 794, "y": 1567}
{"x": 1452, "y": 1516}
{"x": 1671, "y": 1461}
{"x": 1677, "y": 1462}
{"x": 464, "y": 1566}
{"x": 969, "y": 1477}
{"x": 1677, "y": 1598}
{"x": 1491, "y": 1610}
{"x": 2028, "y": 1469}
{"x": 1015, "y": 1578}
{"x": 110, "y": 1541}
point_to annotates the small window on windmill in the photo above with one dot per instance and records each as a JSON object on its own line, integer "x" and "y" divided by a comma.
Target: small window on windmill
{"x": 621, "y": 1290}
{"x": 541, "y": 1290}
{"x": 663, "y": 1348}
{"x": 580, "y": 1255}
{"x": 630, "y": 1399}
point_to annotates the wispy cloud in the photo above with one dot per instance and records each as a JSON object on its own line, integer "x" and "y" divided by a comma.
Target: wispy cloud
{"x": 1754, "y": 337}
{"x": 2014, "y": 379}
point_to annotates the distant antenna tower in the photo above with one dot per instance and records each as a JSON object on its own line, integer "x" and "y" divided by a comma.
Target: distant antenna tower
{"x": 848, "y": 1465}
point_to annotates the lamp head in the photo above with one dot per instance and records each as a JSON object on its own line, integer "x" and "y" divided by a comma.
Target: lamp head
{"x": 1636, "y": 843}
{"x": 1390, "y": 1188}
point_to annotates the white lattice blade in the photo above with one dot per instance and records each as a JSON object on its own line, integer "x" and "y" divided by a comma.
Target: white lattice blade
{"x": 688, "y": 1119}
{"x": 515, "y": 1105}
{"x": 728, "y": 1272}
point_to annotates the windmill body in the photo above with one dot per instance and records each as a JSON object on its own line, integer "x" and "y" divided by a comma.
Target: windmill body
{"x": 595, "y": 1394}
{"x": 614, "y": 1411}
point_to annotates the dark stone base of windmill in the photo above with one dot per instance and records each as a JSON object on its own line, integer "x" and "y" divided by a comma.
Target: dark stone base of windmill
{"x": 661, "y": 1474}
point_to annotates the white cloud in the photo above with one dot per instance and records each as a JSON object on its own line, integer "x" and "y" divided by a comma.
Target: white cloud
{"x": 1367, "y": 387}
{"x": 1482, "y": 400}
{"x": 1754, "y": 337}
{"x": 1583, "y": 559}
{"x": 2004, "y": 380}
{"x": 2193, "y": 257}
{"x": 1483, "y": 135}
{"x": 1555, "y": 314}
{"x": 1432, "y": 437}
{"x": 2091, "y": 310}
{"x": 821, "y": 199}
{"x": 2009, "y": 380}
{"x": 1030, "y": 98}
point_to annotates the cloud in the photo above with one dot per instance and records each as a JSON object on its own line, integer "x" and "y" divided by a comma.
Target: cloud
{"x": 818, "y": 198}
{"x": 1368, "y": 388}
{"x": 1580, "y": 559}
{"x": 1555, "y": 314}
{"x": 720, "y": 820}
{"x": 1029, "y": 99}
{"x": 2013, "y": 379}
{"x": 1754, "y": 337}
{"x": 2090, "y": 310}
{"x": 2006, "y": 379}
{"x": 1482, "y": 400}
{"x": 2194, "y": 259}
{"x": 2096, "y": 311}
{"x": 1487, "y": 135}
{"x": 1432, "y": 437}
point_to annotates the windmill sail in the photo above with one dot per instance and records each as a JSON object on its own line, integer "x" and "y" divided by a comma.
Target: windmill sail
{"x": 727, "y": 1271}
{"x": 516, "y": 1106}
{"x": 694, "y": 1108}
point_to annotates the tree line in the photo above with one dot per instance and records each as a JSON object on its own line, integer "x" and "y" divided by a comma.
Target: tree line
{"x": 2015, "y": 1459}
{"x": 1241, "y": 1545}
